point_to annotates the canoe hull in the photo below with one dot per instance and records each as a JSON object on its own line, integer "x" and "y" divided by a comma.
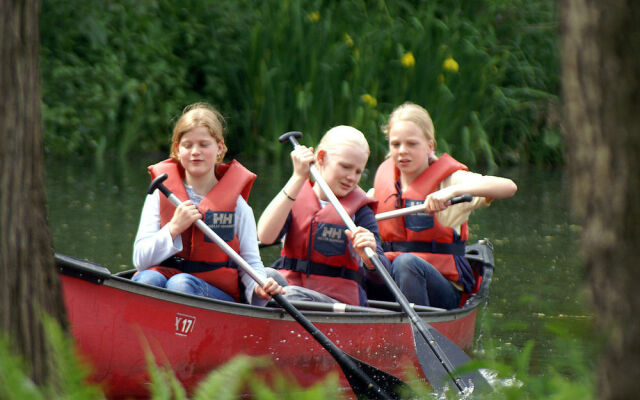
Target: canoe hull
{"x": 115, "y": 321}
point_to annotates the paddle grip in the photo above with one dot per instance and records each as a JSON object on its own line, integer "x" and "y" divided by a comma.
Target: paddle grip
{"x": 465, "y": 198}
{"x": 292, "y": 137}
{"x": 157, "y": 184}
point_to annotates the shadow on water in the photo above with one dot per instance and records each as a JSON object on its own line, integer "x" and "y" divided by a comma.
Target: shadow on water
{"x": 538, "y": 283}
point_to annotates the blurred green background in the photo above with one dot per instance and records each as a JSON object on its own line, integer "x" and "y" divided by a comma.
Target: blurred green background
{"x": 116, "y": 74}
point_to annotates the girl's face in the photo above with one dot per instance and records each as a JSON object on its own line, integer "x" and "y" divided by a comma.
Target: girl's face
{"x": 409, "y": 148}
{"x": 198, "y": 151}
{"x": 342, "y": 169}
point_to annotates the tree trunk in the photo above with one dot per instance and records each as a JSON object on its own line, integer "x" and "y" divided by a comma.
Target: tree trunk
{"x": 29, "y": 283}
{"x": 601, "y": 80}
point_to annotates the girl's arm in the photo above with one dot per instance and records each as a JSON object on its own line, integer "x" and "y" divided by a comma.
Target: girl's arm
{"x": 490, "y": 187}
{"x": 275, "y": 215}
{"x": 153, "y": 244}
{"x": 248, "y": 249}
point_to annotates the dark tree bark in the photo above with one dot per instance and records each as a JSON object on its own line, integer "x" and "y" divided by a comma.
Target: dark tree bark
{"x": 29, "y": 283}
{"x": 601, "y": 80}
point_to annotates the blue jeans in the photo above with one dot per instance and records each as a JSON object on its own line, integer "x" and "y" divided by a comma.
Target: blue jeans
{"x": 422, "y": 283}
{"x": 184, "y": 283}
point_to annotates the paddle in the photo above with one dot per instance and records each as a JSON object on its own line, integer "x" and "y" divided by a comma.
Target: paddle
{"x": 375, "y": 306}
{"x": 420, "y": 207}
{"x": 366, "y": 381}
{"x": 388, "y": 305}
{"x": 437, "y": 366}
{"x": 339, "y": 308}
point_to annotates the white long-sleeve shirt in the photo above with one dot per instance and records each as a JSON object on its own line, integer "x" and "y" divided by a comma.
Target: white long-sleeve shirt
{"x": 153, "y": 243}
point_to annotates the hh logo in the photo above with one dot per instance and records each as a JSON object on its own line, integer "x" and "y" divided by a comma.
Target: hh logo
{"x": 420, "y": 221}
{"x": 411, "y": 203}
{"x": 331, "y": 233}
{"x": 184, "y": 324}
{"x": 222, "y": 219}
{"x": 222, "y": 222}
{"x": 330, "y": 239}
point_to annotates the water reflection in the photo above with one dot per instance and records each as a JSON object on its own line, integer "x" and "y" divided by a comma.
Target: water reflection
{"x": 538, "y": 282}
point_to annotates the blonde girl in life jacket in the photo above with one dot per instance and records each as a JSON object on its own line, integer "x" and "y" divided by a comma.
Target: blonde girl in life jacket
{"x": 427, "y": 249}
{"x": 169, "y": 251}
{"x": 321, "y": 259}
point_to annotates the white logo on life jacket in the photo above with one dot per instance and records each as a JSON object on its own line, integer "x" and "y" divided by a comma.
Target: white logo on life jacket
{"x": 222, "y": 222}
{"x": 222, "y": 219}
{"x": 419, "y": 221}
{"x": 330, "y": 239}
{"x": 331, "y": 233}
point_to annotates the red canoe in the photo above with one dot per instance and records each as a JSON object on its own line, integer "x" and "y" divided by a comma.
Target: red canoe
{"x": 114, "y": 320}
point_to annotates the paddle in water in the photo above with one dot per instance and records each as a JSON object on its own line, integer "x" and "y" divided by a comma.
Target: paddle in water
{"x": 438, "y": 356}
{"x": 366, "y": 381}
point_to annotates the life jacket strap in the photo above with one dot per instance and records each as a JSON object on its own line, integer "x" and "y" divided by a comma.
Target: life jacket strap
{"x": 189, "y": 266}
{"x": 313, "y": 268}
{"x": 456, "y": 249}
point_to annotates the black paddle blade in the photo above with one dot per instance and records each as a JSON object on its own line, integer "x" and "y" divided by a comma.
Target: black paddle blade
{"x": 366, "y": 381}
{"x": 433, "y": 369}
{"x": 390, "y": 386}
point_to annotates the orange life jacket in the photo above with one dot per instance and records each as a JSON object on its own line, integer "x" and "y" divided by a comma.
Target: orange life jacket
{"x": 200, "y": 256}
{"x": 316, "y": 251}
{"x": 422, "y": 234}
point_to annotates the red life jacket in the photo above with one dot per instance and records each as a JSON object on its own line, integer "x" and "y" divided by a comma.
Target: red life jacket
{"x": 316, "y": 251}
{"x": 200, "y": 256}
{"x": 422, "y": 234}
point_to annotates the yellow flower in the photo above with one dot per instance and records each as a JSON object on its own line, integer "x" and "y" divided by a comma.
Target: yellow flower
{"x": 407, "y": 60}
{"x": 450, "y": 65}
{"x": 370, "y": 100}
{"x": 348, "y": 40}
{"x": 314, "y": 16}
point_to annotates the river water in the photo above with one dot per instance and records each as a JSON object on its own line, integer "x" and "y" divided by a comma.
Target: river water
{"x": 538, "y": 284}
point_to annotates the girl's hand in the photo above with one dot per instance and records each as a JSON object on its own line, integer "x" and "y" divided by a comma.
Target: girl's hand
{"x": 302, "y": 157}
{"x": 361, "y": 239}
{"x": 270, "y": 287}
{"x": 183, "y": 217}
{"x": 437, "y": 201}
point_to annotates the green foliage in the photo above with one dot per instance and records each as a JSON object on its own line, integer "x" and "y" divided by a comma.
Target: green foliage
{"x": 115, "y": 74}
{"x": 233, "y": 379}
{"x": 509, "y": 371}
{"x": 14, "y": 383}
{"x": 69, "y": 379}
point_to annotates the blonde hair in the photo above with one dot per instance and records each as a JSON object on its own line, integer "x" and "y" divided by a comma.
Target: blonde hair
{"x": 196, "y": 115}
{"x": 413, "y": 113}
{"x": 340, "y": 136}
